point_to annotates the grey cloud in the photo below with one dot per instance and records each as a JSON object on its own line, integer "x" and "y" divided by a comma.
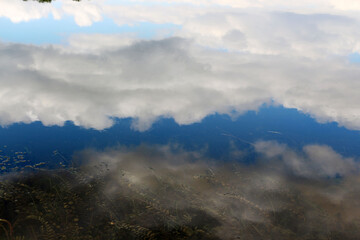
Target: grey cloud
{"x": 281, "y": 27}
{"x": 330, "y": 163}
{"x": 173, "y": 77}
{"x": 313, "y": 162}
{"x": 192, "y": 178}
{"x": 238, "y": 196}
{"x": 285, "y": 33}
{"x": 316, "y": 33}
{"x": 145, "y": 81}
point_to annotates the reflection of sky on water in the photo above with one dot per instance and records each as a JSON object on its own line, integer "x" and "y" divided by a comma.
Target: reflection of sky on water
{"x": 57, "y": 31}
{"x": 355, "y": 58}
{"x": 217, "y": 135}
{"x": 206, "y": 119}
{"x": 95, "y": 61}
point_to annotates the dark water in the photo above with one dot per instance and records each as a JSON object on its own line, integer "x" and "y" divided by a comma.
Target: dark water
{"x": 218, "y": 134}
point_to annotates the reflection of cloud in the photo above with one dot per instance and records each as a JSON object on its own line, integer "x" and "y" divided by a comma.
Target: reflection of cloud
{"x": 265, "y": 196}
{"x": 186, "y": 180}
{"x": 85, "y": 43}
{"x": 143, "y": 81}
{"x": 136, "y": 10}
{"x": 84, "y": 14}
{"x": 315, "y": 161}
{"x": 172, "y": 78}
{"x": 17, "y": 11}
{"x": 306, "y": 5}
{"x": 311, "y": 35}
{"x": 281, "y": 51}
{"x": 309, "y": 28}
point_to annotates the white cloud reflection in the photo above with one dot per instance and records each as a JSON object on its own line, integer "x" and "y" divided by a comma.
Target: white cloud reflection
{"x": 227, "y": 55}
{"x": 167, "y": 78}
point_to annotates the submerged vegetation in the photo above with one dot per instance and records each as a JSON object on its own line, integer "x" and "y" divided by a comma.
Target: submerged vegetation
{"x": 146, "y": 200}
{"x": 64, "y": 204}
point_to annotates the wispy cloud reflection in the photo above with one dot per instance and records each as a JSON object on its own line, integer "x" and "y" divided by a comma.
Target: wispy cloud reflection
{"x": 275, "y": 198}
